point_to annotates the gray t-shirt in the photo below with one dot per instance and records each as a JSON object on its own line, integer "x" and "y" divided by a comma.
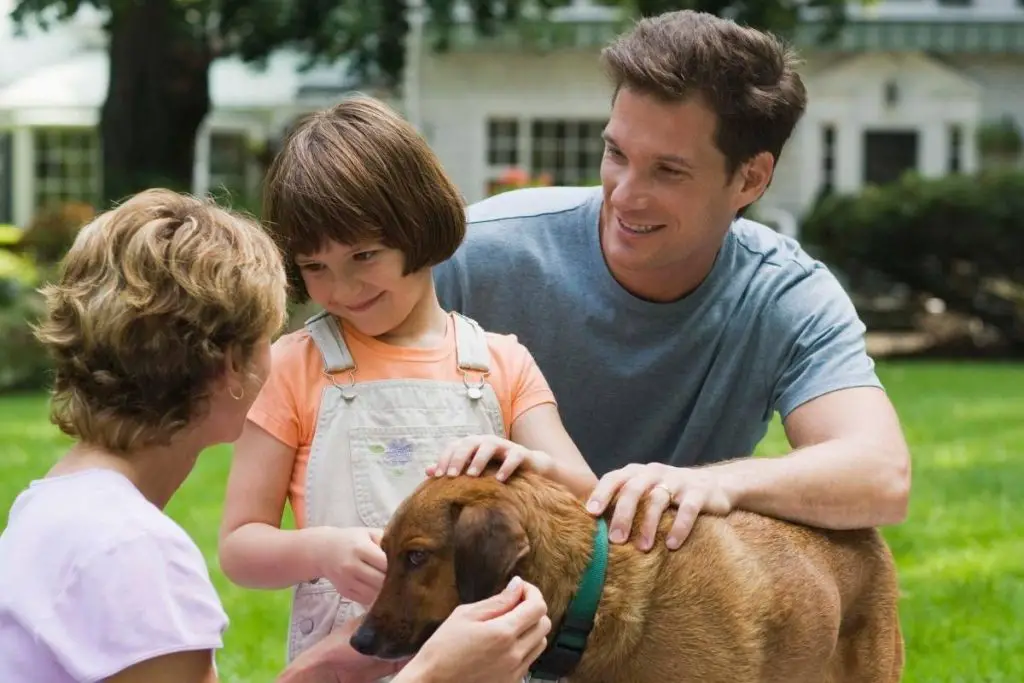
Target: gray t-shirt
{"x": 689, "y": 382}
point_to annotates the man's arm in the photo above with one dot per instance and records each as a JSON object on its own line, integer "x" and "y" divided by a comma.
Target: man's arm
{"x": 850, "y": 467}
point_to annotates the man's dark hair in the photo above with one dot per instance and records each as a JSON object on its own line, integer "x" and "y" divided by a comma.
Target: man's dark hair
{"x": 746, "y": 76}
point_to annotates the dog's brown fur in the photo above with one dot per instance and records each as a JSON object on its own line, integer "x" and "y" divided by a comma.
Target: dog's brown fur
{"x": 747, "y": 599}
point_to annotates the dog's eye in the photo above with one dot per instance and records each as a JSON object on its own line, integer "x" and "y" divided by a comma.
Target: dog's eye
{"x": 415, "y": 557}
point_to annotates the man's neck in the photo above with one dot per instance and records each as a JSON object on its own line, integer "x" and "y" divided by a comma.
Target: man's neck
{"x": 666, "y": 284}
{"x": 671, "y": 281}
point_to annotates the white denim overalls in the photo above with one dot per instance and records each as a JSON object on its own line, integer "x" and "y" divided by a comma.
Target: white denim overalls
{"x": 372, "y": 444}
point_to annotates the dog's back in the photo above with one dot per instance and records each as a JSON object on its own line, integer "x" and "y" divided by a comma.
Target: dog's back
{"x": 746, "y": 599}
{"x": 751, "y": 598}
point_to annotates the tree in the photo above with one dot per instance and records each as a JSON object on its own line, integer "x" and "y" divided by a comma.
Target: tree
{"x": 161, "y": 52}
{"x": 780, "y": 16}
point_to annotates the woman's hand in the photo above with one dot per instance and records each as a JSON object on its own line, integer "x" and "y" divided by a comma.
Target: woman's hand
{"x": 352, "y": 560}
{"x": 332, "y": 660}
{"x": 479, "y": 449}
{"x": 491, "y": 641}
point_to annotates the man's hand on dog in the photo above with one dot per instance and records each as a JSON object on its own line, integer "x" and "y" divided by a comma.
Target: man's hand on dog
{"x": 353, "y": 561}
{"x": 690, "y": 490}
{"x": 479, "y": 449}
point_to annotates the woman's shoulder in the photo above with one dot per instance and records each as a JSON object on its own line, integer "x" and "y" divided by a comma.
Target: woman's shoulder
{"x": 88, "y": 516}
{"x": 116, "y": 577}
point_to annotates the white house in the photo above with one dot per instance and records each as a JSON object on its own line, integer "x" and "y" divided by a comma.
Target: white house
{"x": 906, "y": 86}
{"x": 52, "y": 87}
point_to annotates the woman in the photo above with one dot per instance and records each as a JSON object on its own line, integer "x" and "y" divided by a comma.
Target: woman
{"x": 160, "y": 327}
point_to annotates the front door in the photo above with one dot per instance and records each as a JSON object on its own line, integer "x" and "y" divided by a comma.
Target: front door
{"x": 888, "y": 154}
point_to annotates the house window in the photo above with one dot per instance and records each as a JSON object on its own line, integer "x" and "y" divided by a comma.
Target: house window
{"x": 503, "y": 142}
{"x": 68, "y": 166}
{"x": 229, "y": 162}
{"x": 551, "y": 151}
{"x": 955, "y": 163}
{"x": 569, "y": 151}
{"x": 828, "y": 158}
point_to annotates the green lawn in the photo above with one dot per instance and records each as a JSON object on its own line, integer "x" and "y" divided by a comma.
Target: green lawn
{"x": 961, "y": 554}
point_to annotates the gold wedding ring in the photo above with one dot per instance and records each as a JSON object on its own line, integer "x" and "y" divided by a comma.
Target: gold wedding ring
{"x": 671, "y": 494}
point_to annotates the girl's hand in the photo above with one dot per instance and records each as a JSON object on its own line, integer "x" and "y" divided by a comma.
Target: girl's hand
{"x": 353, "y": 561}
{"x": 477, "y": 450}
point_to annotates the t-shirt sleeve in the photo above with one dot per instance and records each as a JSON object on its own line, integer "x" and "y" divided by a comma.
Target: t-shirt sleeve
{"x": 449, "y": 279}
{"x": 823, "y": 346}
{"x": 526, "y": 385}
{"x": 277, "y": 407}
{"x": 143, "y": 597}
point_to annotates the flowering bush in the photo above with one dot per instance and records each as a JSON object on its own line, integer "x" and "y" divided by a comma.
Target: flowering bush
{"x": 515, "y": 178}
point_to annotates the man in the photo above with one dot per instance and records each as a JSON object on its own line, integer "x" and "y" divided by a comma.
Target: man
{"x": 670, "y": 327}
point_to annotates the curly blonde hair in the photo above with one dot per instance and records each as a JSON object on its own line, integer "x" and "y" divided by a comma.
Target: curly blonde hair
{"x": 151, "y": 298}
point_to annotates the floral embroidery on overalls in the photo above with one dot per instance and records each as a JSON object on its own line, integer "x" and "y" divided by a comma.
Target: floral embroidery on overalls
{"x": 372, "y": 443}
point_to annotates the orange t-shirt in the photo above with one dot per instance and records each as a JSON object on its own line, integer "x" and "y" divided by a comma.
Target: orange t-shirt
{"x": 289, "y": 402}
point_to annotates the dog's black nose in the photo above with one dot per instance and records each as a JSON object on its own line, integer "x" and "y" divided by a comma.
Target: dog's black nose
{"x": 364, "y": 640}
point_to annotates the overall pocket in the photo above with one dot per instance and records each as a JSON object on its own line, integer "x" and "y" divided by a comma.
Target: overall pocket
{"x": 388, "y": 463}
{"x": 316, "y": 610}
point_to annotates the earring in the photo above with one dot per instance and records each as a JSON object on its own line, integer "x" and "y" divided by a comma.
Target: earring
{"x": 241, "y": 393}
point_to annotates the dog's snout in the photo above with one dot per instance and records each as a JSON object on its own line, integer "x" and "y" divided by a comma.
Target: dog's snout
{"x": 365, "y": 640}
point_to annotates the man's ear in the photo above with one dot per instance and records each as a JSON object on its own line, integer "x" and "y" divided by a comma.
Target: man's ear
{"x": 755, "y": 175}
{"x": 489, "y": 541}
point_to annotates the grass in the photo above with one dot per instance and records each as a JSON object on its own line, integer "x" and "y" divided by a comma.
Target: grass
{"x": 961, "y": 553}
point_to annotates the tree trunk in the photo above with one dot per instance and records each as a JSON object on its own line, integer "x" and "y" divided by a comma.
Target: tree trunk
{"x": 157, "y": 97}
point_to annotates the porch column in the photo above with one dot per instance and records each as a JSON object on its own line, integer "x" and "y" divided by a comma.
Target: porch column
{"x": 23, "y": 176}
{"x": 201, "y": 163}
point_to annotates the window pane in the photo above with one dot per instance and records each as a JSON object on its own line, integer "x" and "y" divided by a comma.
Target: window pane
{"x": 569, "y": 151}
{"x": 229, "y": 162}
{"x": 68, "y": 166}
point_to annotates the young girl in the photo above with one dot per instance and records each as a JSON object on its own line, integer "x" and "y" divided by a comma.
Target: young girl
{"x": 379, "y": 386}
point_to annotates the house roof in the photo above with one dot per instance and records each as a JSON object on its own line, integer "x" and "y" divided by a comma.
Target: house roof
{"x": 80, "y": 81}
{"x": 35, "y": 46}
{"x": 65, "y": 66}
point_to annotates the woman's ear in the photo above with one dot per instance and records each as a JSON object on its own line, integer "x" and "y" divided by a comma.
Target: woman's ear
{"x": 235, "y": 372}
{"x": 489, "y": 543}
{"x": 234, "y": 363}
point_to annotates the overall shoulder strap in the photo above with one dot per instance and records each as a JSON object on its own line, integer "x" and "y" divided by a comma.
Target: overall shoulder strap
{"x": 471, "y": 345}
{"x": 326, "y": 334}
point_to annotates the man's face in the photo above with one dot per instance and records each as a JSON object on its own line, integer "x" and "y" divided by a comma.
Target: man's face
{"x": 668, "y": 201}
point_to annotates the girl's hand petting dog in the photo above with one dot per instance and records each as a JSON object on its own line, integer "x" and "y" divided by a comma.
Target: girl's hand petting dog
{"x": 479, "y": 449}
{"x": 353, "y": 561}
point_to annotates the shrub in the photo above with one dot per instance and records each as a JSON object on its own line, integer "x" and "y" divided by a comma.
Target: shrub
{"x": 23, "y": 361}
{"x": 53, "y": 229}
{"x": 959, "y": 238}
{"x": 517, "y": 178}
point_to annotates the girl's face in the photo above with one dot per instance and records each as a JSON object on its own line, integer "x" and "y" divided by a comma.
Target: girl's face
{"x": 363, "y": 285}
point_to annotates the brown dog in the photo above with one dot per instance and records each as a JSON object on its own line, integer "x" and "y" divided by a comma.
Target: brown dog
{"x": 746, "y": 599}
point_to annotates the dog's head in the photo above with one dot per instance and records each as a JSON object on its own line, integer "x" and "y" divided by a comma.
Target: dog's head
{"x": 454, "y": 540}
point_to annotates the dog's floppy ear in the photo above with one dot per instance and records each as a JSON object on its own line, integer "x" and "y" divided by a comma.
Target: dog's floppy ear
{"x": 489, "y": 540}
